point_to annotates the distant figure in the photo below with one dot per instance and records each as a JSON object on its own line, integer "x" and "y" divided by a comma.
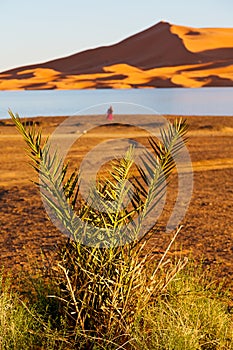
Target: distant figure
{"x": 110, "y": 113}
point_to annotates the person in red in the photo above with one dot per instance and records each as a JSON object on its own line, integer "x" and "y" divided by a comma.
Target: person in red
{"x": 110, "y": 113}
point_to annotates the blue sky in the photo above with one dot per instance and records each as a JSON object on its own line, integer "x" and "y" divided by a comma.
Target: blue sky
{"x": 33, "y": 31}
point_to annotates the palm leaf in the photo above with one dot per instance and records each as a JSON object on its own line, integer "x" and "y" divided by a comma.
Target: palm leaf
{"x": 61, "y": 192}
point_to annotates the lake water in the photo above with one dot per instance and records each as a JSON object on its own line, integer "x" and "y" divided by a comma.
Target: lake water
{"x": 179, "y": 101}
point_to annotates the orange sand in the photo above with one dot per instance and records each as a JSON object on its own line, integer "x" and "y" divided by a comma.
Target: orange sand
{"x": 205, "y": 39}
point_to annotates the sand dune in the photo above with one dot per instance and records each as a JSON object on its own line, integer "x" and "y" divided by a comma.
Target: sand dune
{"x": 164, "y": 55}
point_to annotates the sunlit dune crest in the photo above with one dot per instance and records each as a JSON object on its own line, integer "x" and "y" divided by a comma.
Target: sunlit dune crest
{"x": 40, "y": 73}
{"x": 185, "y": 76}
{"x": 202, "y": 39}
{"x": 40, "y": 76}
{"x": 164, "y": 55}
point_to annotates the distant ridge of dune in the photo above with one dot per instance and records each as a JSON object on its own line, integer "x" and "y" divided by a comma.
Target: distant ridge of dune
{"x": 164, "y": 55}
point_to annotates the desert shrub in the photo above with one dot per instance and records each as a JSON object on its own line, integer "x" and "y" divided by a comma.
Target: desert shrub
{"x": 102, "y": 280}
{"x": 111, "y": 291}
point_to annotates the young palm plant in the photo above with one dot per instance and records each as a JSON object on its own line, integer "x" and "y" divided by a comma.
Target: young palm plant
{"x": 102, "y": 275}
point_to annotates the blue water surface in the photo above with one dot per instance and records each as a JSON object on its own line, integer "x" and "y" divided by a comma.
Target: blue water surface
{"x": 178, "y": 101}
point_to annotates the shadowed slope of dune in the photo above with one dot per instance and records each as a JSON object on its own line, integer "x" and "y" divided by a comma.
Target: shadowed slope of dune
{"x": 162, "y": 56}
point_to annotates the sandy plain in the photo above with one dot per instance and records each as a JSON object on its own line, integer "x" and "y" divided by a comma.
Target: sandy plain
{"x": 207, "y": 231}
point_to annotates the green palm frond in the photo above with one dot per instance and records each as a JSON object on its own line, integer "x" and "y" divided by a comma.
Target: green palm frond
{"x": 107, "y": 203}
{"x": 157, "y": 167}
{"x": 106, "y": 207}
{"x": 54, "y": 187}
